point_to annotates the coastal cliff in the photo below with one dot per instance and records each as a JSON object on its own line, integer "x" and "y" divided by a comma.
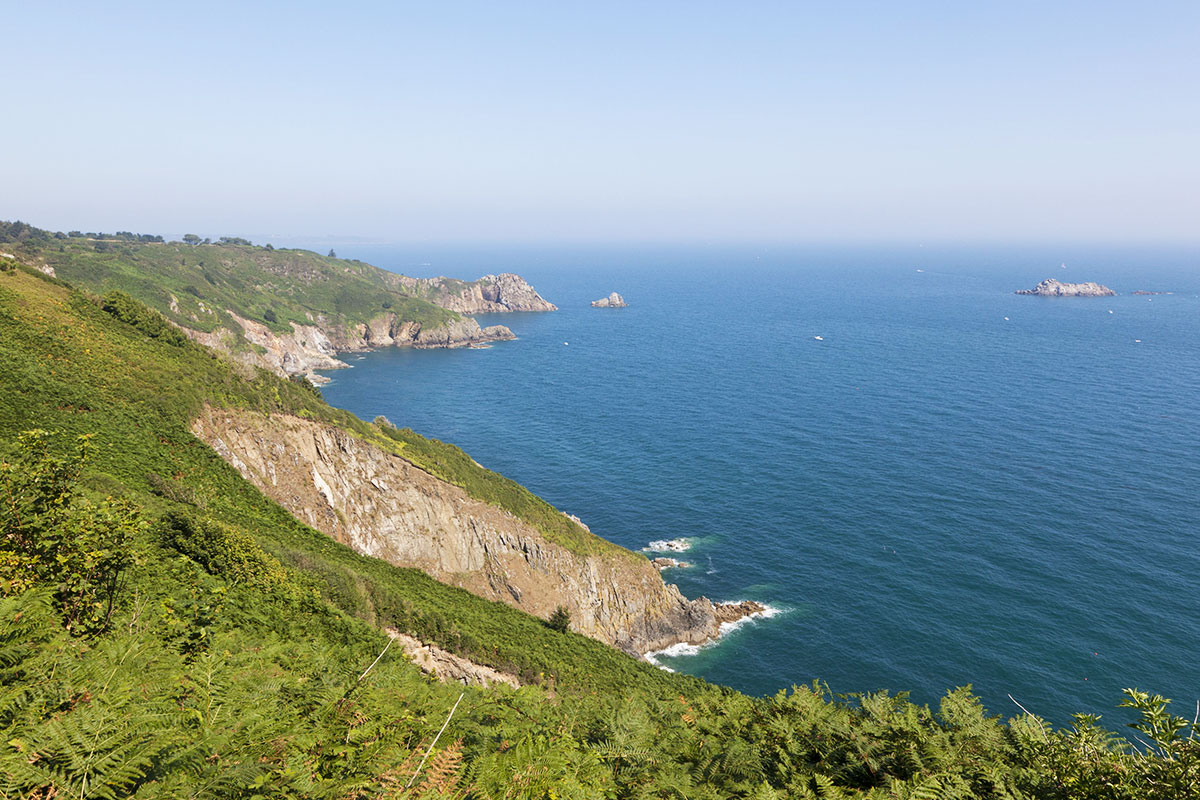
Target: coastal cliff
{"x": 316, "y": 346}
{"x": 1053, "y": 288}
{"x": 382, "y": 505}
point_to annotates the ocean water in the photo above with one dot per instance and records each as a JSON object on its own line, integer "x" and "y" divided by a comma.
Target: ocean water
{"x": 953, "y": 484}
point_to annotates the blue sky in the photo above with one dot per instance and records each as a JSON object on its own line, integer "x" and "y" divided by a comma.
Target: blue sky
{"x": 571, "y": 121}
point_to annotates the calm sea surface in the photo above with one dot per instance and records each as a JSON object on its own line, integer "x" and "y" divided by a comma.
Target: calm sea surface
{"x": 953, "y": 485}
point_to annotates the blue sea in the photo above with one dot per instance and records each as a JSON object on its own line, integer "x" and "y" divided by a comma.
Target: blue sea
{"x": 935, "y": 481}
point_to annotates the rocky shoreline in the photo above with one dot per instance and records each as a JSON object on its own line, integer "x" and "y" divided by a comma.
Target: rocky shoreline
{"x": 316, "y": 346}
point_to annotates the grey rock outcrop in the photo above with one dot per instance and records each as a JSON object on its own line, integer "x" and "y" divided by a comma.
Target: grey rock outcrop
{"x": 614, "y": 300}
{"x": 313, "y": 347}
{"x": 381, "y": 505}
{"x": 447, "y": 667}
{"x": 490, "y": 294}
{"x": 1053, "y": 288}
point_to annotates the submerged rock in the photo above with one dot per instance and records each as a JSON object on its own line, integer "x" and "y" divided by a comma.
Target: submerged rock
{"x": 1053, "y": 288}
{"x": 614, "y": 300}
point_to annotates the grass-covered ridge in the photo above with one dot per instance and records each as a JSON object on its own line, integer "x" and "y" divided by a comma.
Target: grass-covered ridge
{"x": 241, "y": 654}
{"x": 195, "y": 284}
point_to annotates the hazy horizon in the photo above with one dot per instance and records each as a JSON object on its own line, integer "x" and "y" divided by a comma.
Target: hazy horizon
{"x": 775, "y": 123}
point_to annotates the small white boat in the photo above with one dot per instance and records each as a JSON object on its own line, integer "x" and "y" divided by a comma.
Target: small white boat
{"x": 819, "y": 338}
{"x": 565, "y": 344}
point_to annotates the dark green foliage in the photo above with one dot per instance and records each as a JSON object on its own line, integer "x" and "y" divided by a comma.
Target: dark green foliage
{"x": 148, "y": 321}
{"x": 560, "y": 620}
{"x": 221, "y": 549}
{"x": 21, "y": 232}
{"x": 51, "y": 537}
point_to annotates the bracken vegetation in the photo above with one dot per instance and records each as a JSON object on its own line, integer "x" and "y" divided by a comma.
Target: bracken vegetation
{"x": 167, "y": 631}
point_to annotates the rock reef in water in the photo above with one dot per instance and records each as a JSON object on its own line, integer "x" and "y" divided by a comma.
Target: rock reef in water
{"x": 732, "y": 612}
{"x": 614, "y": 300}
{"x": 662, "y": 562}
{"x": 1053, "y": 288}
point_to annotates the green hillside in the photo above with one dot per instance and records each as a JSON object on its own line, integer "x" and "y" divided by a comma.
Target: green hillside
{"x": 167, "y": 631}
{"x": 194, "y": 284}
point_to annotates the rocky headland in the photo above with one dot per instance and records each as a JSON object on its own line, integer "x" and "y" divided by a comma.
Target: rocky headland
{"x": 384, "y": 506}
{"x": 488, "y": 295}
{"x": 1053, "y": 288}
{"x": 317, "y": 346}
{"x": 614, "y": 300}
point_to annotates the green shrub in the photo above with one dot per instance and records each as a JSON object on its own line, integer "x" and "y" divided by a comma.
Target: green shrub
{"x": 52, "y": 537}
{"x": 560, "y": 620}
{"x": 140, "y": 316}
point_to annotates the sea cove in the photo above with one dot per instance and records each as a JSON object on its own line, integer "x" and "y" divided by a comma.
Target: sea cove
{"x": 930, "y": 494}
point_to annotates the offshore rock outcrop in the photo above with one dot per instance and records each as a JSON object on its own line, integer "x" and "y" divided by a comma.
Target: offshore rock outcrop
{"x": 383, "y": 506}
{"x": 316, "y": 346}
{"x": 1053, "y": 288}
{"x": 614, "y": 300}
{"x": 490, "y": 294}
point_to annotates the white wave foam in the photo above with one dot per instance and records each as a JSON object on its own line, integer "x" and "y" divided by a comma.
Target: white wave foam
{"x": 674, "y": 651}
{"x": 679, "y": 545}
{"x": 766, "y": 613}
{"x": 685, "y": 649}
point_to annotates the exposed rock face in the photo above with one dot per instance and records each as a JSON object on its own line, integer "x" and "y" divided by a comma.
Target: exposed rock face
{"x": 614, "y": 300}
{"x": 447, "y": 667}
{"x": 732, "y": 612}
{"x": 489, "y": 294}
{"x": 1053, "y": 288}
{"x": 383, "y": 506}
{"x": 311, "y": 347}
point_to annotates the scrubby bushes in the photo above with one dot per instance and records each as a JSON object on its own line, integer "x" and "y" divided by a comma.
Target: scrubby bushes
{"x": 52, "y": 537}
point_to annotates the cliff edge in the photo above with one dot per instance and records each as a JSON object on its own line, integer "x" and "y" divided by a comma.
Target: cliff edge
{"x": 382, "y": 505}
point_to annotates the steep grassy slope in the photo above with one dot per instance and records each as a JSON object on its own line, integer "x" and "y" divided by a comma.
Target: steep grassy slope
{"x": 242, "y": 657}
{"x": 194, "y": 285}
